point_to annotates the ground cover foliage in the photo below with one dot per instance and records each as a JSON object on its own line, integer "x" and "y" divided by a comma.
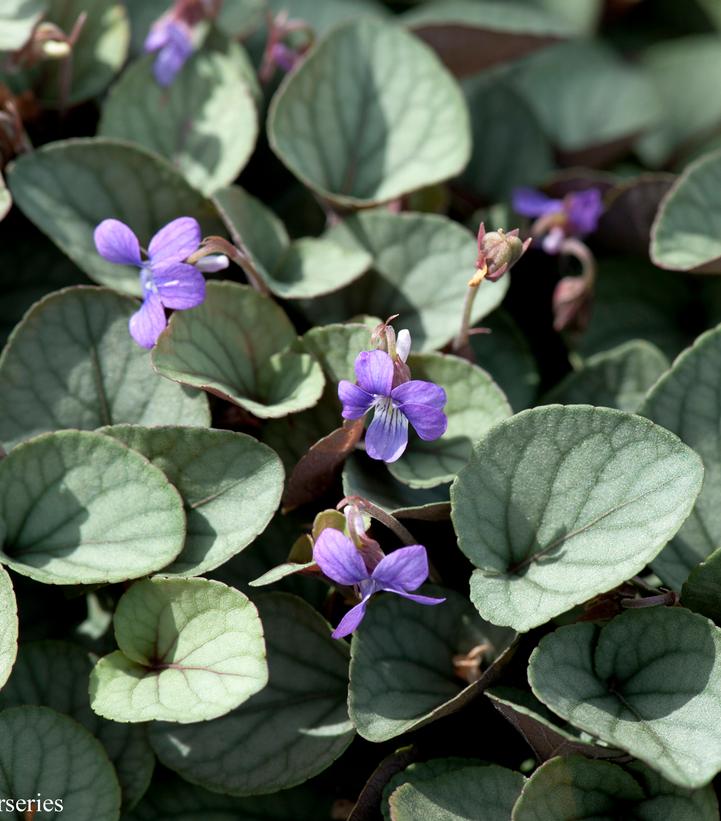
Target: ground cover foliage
{"x": 360, "y": 416}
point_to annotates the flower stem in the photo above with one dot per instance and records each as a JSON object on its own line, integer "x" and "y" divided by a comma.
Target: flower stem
{"x": 460, "y": 343}
{"x": 380, "y": 515}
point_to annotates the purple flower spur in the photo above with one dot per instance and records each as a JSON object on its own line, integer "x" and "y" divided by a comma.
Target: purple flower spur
{"x": 399, "y": 572}
{"x": 415, "y": 401}
{"x": 167, "y": 281}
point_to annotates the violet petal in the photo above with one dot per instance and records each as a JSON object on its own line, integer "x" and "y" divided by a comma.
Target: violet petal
{"x": 374, "y": 372}
{"x": 584, "y": 211}
{"x": 420, "y": 393}
{"x": 416, "y": 598}
{"x": 338, "y": 558}
{"x": 356, "y": 401}
{"x": 387, "y": 434}
{"x": 148, "y": 323}
{"x": 175, "y": 242}
{"x": 117, "y": 243}
{"x": 404, "y": 569}
{"x": 429, "y": 423}
{"x": 352, "y": 619}
{"x": 179, "y": 285}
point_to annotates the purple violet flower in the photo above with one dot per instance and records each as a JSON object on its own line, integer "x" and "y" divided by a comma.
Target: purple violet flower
{"x": 172, "y": 39}
{"x": 576, "y": 215}
{"x": 399, "y": 572}
{"x": 415, "y": 401}
{"x": 167, "y": 281}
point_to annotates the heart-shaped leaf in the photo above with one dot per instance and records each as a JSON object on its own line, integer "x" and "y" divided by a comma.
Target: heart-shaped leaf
{"x": 98, "y": 55}
{"x": 190, "y": 650}
{"x": 301, "y": 268}
{"x": 473, "y": 35}
{"x": 206, "y": 123}
{"x": 230, "y": 483}
{"x": 292, "y": 730}
{"x": 176, "y": 800}
{"x": 687, "y": 401}
{"x": 421, "y": 267}
{"x": 649, "y": 682}
{"x": 457, "y": 795}
{"x": 618, "y": 378}
{"x": 475, "y": 404}
{"x": 236, "y": 345}
{"x": 402, "y": 664}
{"x": 507, "y": 357}
{"x": 586, "y": 97}
{"x": 559, "y": 504}
{"x": 572, "y": 787}
{"x": 686, "y": 234}
{"x": 546, "y": 734}
{"x": 8, "y": 624}
{"x": 67, "y": 187}
{"x": 71, "y": 363}
{"x": 90, "y": 511}
{"x": 17, "y": 20}
{"x": 389, "y": 137}
{"x": 46, "y": 754}
{"x": 66, "y": 691}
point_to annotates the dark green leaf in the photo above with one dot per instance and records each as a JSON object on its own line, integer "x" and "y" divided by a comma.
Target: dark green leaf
{"x": 48, "y": 754}
{"x": 230, "y": 483}
{"x": 80, "y": 508}
{"x": 295, "y": 269}
{"x": 687, "y": 401}
{"x": 71, "y": 363}
{"x": 559, "y": 504}
{"x": 290, "y": 731}
{"x": 649, "y": 682}
{"x": 390, "y": 136}
{"x": 190, "y": 650}
{"x": 237, "y": 345}
{"x": 65, "y": 689}
{"x": 402, "y": 675}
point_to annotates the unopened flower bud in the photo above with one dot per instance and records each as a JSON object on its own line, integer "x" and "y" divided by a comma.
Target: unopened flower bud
{"x": 498, "y": 251}
{"x": 572, "y": 304}
{"x": 212, "y": 263}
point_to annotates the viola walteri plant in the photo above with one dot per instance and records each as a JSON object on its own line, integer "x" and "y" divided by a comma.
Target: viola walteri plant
{"x": 360, "y": 401}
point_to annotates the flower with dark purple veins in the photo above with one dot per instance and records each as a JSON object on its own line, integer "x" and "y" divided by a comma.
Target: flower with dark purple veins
{"x": 167, "y": 281}
{"x": 172, "y": 40}
{"x": 399, "y": 572}
{"x": 415, "y": 401}
{"x": 576, "y": 215}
